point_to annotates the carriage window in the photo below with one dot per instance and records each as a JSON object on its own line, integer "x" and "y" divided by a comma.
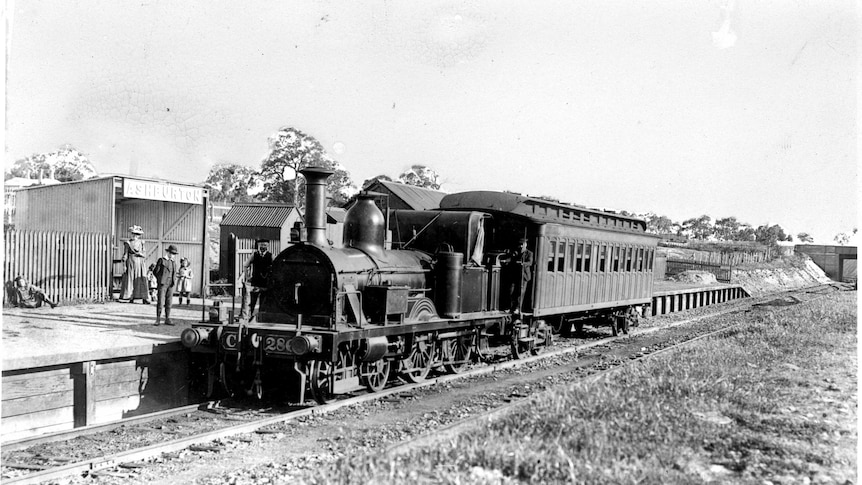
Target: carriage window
{"x": 588, "y": 250}
{"x": 561, "y": 257}
{"x": 640, "y": 259}
{"x": 551, "y": 253}
{"x": 651, "y": 255}
{"x": 628, "y": 259}
{"x": 603, "y": 253}
{"x": 579, "y": 264}
{"x": 572, "y": 256}
{"x": 615, "y": 259}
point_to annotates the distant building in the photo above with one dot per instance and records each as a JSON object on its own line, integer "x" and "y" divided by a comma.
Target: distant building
{"x": 217, "y": 210}
{"x": 403, "y": 196}
{"x": 278, "y": 223}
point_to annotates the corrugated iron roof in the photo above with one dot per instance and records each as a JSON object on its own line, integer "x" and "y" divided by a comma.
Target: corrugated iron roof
{"x": 258, "y": 214}
{"x": 418, "y": 198}
{"x": 335, "y": 214}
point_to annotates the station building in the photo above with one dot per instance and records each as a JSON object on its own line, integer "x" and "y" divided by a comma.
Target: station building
{"x": 70, "y": 235}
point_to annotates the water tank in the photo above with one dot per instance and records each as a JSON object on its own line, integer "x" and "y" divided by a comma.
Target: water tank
{"x": 447, "y": 283}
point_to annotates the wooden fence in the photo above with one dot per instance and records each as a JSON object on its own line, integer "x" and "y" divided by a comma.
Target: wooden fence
{"x": 67, "y": 265}
{"x": 727, "y": 258}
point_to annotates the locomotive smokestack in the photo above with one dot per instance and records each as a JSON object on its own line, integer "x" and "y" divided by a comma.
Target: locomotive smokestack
{"x": 315, "y": 204}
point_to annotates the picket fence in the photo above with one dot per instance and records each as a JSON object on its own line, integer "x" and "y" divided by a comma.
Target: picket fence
{"x": 67, "y": 265}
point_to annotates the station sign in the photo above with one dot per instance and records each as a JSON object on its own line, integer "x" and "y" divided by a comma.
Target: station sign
{"x": 144, "y": 189}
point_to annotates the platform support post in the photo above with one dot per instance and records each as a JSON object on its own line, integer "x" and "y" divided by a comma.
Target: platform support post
{"x": 84, "y": 407}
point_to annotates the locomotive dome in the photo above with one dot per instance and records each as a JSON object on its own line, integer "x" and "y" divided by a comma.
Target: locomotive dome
{"x": 364, "y": 225}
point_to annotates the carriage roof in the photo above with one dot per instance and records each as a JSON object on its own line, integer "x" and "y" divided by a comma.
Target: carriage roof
{"x": 541, "y": 211}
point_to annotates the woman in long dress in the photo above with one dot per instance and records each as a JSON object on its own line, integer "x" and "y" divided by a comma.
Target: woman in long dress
{"x": 135, "y": 278}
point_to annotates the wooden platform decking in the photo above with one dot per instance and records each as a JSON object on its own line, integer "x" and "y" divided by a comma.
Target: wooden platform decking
{"x": 86, "y": 364}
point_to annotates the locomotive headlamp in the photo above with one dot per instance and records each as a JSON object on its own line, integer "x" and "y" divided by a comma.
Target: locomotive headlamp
{"x": 302, "y": 345}
{"x": 192, "y": 337}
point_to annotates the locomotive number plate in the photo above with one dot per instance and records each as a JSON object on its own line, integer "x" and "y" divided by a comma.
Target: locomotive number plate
{"x": 276, "y": 345}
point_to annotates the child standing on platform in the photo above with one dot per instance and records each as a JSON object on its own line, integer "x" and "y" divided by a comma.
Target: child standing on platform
{"x": 185, "y": 280}
{"x": 152, "y": 282}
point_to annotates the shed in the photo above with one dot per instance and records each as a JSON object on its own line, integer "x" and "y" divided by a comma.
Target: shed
{"x": 273, "y": 221}
{"x": 168, "y": 212}
{"x": 410, "y": 197}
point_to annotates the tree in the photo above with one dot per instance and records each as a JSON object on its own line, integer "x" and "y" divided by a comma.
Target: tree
{"x": 744, "y": 233}
{"x": 699, "y": 228}
{"x": 769, "y": 235}
{"x": 657, "y": 224}
{"x": 65, "y": 164}
{"x": 370, "y": 181}
{"x": 421, "y": 176}
{"x": 804, "y": 237}
{"x": 230, "y": 182}
{"x": 726, "y": 228}
{"x": 842, "y": 238}
{"x": 339, "y": 186}
{"x": 292, "y": 150}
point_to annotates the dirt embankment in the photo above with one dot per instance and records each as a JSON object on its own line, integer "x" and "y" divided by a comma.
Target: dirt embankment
{"x": 782, "y": 274}
{"x": 779, "y": 275}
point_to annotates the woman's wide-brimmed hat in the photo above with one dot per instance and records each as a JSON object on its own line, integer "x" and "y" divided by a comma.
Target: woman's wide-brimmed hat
{"x": 136, "y": 230}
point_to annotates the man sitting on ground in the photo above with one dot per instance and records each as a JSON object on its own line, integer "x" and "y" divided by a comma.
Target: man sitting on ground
{"x": 30, "y": 296}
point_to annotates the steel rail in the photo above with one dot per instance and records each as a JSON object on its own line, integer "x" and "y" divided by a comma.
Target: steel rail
{"x": 29, "y": 441}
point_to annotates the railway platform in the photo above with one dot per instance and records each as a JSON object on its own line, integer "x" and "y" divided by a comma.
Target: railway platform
{"x": 77, "y": 365}
{"x": 674, "y": 296}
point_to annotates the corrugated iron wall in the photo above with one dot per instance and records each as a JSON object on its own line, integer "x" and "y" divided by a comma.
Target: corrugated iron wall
{"x": 73, "y": 207}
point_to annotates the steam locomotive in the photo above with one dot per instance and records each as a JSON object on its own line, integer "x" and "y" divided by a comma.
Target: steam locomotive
{"x": 339, "y": 319}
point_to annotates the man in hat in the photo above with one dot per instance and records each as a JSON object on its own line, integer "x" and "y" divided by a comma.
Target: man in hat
{"x": 520, "y": 271}
{"x": 30, "y": 296}
{"x": 166, "y": 276}
{"x": 254, "y": 275}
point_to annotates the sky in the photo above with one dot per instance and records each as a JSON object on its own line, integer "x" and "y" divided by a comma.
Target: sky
{"x": 723, "y": 108}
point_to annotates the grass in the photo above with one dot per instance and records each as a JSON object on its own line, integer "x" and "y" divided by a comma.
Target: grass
{"x": 773, "y": 402}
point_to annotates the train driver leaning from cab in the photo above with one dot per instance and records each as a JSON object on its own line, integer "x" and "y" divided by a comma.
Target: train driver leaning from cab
{"x": 519, "y": 263}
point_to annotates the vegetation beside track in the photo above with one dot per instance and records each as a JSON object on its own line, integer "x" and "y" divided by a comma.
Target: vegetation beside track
{"x": 773, "y": 401}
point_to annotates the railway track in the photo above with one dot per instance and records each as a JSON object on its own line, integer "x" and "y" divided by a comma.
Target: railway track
{"x": 36, "y": 469}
